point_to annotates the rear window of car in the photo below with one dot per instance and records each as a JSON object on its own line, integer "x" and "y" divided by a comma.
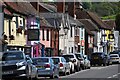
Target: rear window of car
{"x": 95, "y": 54}
{"x": 56, "y": 60}
{"x": 40, "y": 60}
{"x": 113, "y": 55}
{"x": 12, "y": 56}
{"x": 79, "y": 55}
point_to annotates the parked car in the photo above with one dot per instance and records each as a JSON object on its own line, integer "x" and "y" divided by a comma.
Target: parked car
{"x": 115, "y": 58}
{"x": 14, "y": 65}
{"x": 80, "y": 57}
{"x": 64, "y": 67}
{"x": 115, "y": 52}
{"x": 109, "y": 61}
{"x": 32, "y": 67}
{"x": 99, "y": 58}
{"x": 72, "y": 69}
{"x": 87, "y": 62}
{"x": 46, "y": 67}
{"x": 75, "y": 61}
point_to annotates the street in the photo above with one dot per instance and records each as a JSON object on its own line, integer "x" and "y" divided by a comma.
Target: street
{"x": 97, "y": 72}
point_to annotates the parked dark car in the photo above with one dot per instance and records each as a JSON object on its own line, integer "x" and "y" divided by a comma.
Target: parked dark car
{"x": 14, "y": 65}
{"x": 99, "y": 58}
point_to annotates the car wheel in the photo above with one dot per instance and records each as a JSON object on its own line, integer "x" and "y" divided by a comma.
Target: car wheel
{"x": 71, "y": 71}
{"x": 52, "y": 76}
{"x": 27, "y": 74}
{"x": 104, "y": 64}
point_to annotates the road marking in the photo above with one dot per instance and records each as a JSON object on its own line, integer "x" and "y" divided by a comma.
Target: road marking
{"x": 114, "y": 75}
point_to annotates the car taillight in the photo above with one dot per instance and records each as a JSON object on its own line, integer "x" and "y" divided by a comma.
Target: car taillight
{"x": 47, "y": 66}
{"x": 61, "y": 65}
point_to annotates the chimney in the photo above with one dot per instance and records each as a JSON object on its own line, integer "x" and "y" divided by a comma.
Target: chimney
{"x": 61, "y": 7}
{"x": 71, "y": 8}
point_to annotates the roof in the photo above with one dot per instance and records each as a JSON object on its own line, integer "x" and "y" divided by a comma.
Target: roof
{"x": 48, "y": 7}
{"x": 89, "y": 24}
{"x": 75, "y": 22}
{"x": 22, "y": 7}
{"x": 82, "y": 14}
{"x": 44, "y": 23}
{"x": 98, "y": 21}
{"x": 111, "y": 23}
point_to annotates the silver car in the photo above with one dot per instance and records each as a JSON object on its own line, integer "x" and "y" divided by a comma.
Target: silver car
{"x": 87, "y": 62}
{"x": 115, "y": 58}
{"x": 64, "y": 67}
{"x": 74, "y": 60}
{"x": 46, "y": 67}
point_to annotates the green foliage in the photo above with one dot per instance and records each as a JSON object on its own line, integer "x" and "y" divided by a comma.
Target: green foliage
{"x": 117, "y": 22}
{"x": 103, "y": 8}
{"x": 108, "y": 17}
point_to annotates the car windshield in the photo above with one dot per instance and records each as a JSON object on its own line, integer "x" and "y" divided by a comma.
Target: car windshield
{"x": 56, "y": 60}
{"x": 12, "y": 56}
{"x": 40, "y": 60}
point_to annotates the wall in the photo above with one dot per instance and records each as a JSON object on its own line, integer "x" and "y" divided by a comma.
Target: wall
{"x": 10, "y": 28}
{"x": 45, "y": 42}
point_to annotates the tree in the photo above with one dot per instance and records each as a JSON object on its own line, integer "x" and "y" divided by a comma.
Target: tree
{"x": 117, "y": 22}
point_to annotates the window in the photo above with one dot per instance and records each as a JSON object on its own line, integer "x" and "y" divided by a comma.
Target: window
{"x": 71, "y": 32}
{"x": 43, "y": 37}
{"x": 72, "y": 49}
{"x": 47, "y": 37}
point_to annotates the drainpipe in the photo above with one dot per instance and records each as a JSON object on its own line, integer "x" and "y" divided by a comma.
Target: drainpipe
{"x": 1, "y": 27}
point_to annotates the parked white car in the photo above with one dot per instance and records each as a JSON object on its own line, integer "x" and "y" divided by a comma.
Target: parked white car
{"x": 64, "y": 67}
{"x": 115, "y": 58}
{"x": 87, "y": 62}
{"x": 75, "y": 61}
{"x": 72, "y": 70}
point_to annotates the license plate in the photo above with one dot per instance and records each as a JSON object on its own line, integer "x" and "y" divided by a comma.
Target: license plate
{"x": 95, "y": 57}
{"x": 8, "y": 72}
{"x": 40, "y": 67}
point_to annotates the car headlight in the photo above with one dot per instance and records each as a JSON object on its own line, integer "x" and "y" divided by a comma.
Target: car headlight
{"x": 20, "y": 63}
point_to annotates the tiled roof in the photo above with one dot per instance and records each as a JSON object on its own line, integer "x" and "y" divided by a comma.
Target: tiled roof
{"x": 111, "y": 23}
{"x": 82, "y": 14}
{"x": 22, "y": 7}
{"x": 48, "y": 7}
{"x": 44, "y": 23}
{"x": 98, "y": 21}
{"x": 89, "y": 24}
